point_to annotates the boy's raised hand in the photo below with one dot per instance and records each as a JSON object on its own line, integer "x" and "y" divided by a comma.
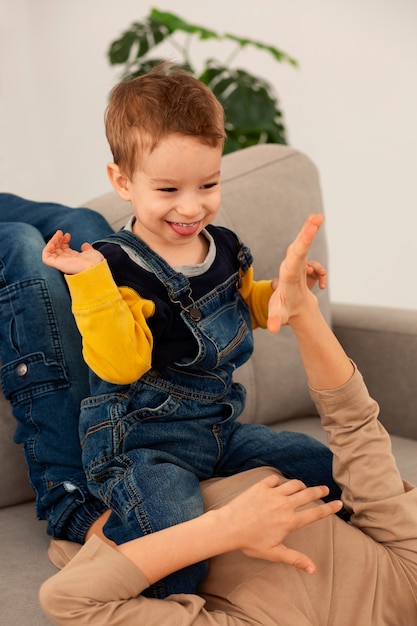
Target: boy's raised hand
{"x": 297, "y": 276}
{"x": 58, "y": 254}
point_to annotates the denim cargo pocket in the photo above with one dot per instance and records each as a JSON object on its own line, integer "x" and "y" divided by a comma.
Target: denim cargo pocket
{"x": 32, "y": 376}
{"x": 35, "y": 362}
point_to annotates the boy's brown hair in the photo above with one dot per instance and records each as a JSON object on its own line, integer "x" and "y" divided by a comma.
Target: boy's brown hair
{"x": 145, "y": 109}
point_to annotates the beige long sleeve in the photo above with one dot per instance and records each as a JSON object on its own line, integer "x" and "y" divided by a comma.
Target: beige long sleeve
{"x": 100, "y": 586}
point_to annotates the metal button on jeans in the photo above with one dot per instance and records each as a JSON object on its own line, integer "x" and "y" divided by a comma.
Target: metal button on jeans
{"x": 21, "y": 369}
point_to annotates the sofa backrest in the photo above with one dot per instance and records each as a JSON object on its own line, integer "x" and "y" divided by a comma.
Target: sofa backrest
{"x": 267, "y": 192}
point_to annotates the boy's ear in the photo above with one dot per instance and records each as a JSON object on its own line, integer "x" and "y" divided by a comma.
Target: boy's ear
{"x": 119, "y": 181}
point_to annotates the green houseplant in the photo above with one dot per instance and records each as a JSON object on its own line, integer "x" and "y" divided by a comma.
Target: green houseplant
{"x": 253, "y": 114}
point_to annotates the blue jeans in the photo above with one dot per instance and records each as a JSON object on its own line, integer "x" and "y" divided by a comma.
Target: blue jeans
{"x": 43, "y": 373}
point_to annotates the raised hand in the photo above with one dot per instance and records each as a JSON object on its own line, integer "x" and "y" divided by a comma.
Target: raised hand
{"x": 58, "y": 254}
{"x": 296, "y": 277}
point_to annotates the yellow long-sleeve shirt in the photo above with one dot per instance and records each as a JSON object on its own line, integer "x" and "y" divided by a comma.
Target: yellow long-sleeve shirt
{"x": 113, "y": 321}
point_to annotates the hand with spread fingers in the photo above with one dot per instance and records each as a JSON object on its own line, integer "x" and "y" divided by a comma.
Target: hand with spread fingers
{"x": 58, "y": 254}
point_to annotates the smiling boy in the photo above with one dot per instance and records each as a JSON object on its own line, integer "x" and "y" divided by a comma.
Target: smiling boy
{"x": 166, "y": 309}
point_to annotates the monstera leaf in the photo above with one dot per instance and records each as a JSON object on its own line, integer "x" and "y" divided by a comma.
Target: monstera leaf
{"x": 137, "y": 40}
{"x": 253, "y": 114}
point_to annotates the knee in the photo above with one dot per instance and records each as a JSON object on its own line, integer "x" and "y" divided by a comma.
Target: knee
{"x": 53, "y": 600}
{"x": 7, "y": 198}
{"x": 22, "y": 241}
{"x": 61, "y": 604}
{"x": 18, "y": 233}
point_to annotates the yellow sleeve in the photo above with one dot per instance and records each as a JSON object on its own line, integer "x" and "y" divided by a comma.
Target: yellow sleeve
{"x": 257, "y": 294}
{"x": 117, "y": 341}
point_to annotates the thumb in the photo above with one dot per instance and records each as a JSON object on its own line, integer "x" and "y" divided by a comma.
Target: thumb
{"x": 277, "y": 313}
{"x": 273, "y": 323}
{"x": 86, "y": 246}
{"x": 292, "y": 557}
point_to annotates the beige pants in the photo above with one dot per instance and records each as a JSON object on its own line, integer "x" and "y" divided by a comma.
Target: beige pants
{"x": 367, "y": 570}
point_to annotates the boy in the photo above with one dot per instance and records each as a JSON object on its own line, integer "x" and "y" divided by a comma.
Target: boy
{"x": 166, "y": 309}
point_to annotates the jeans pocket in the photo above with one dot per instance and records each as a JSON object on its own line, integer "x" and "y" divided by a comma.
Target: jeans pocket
{"x": 32, "y": 351}
{"x": 32, "y": 375}
{"x": 109, "y": 423}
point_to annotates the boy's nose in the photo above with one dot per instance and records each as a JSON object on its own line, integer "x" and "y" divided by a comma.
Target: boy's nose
{"x": 189, "y": 207}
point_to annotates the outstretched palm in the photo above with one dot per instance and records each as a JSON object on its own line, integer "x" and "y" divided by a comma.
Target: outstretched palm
{"x": 58, "y": 254}
{"x": 292, "y": 293}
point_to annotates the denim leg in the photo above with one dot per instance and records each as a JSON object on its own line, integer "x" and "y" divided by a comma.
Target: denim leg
{"x": 47, "y": 217}
{"x": 294, "y": 454}
{"x": 143, "y": 477}
{"x": 147, "y": 492}
{"x": 43, "y": 374}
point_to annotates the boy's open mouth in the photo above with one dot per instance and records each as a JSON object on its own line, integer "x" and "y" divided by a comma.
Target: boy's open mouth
{"x": 183, "y": 228}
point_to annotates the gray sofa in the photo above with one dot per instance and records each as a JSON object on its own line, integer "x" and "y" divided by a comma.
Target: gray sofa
{"x": 266, "y": 194}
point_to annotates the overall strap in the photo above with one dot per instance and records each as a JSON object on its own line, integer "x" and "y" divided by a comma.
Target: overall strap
{"x": 175, "y": 283}
{"x": 244, "y": 256}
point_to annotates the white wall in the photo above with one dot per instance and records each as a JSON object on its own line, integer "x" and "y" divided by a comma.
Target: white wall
{"x": 351, "y": 106}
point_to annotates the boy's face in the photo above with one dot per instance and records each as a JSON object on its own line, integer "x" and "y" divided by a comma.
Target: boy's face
{"x": 175, "y": 194}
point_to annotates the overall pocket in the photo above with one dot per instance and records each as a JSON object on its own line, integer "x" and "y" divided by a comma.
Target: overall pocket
{"x": 110, "y": 424}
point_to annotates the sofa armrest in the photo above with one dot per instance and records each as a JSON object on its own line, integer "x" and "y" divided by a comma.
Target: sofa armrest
{"x": 383, "y": 343}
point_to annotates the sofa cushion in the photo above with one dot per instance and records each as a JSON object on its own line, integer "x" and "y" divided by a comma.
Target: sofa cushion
{"x": 14, "y": 483}
{"x": 25, "y": 566}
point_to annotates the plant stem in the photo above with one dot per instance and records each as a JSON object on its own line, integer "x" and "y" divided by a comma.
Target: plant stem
{"x": 183, "y": 49}
{"x": 232, "y": 56}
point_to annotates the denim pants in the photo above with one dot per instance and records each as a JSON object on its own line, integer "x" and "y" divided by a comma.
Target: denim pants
{"x": 43, "y": 373}
{"x": 147, "y": 446}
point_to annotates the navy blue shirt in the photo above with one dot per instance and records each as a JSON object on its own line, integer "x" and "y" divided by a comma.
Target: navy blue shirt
{"x": 173, "y": 342}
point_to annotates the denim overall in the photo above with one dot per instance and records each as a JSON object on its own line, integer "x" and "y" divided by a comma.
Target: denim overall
{"x": 147, "y": 445}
